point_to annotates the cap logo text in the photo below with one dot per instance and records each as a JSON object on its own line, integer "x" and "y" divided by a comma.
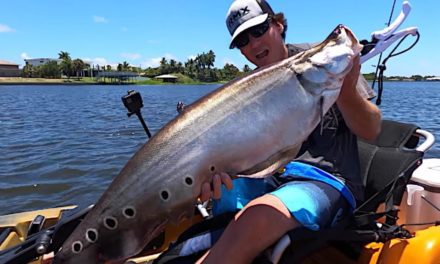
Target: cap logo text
{"x": 237, "y": 15}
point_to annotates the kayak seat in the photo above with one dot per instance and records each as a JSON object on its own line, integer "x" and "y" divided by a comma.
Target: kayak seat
{"x": 386, "y": 165}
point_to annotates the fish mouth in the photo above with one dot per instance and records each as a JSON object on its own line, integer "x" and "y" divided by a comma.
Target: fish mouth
{"x": 262, "y": 54}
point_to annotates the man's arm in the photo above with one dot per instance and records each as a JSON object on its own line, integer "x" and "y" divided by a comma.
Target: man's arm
{"x": 361, "y": 116}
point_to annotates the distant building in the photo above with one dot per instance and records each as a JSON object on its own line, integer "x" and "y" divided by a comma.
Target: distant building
{"x": 116, "y": 76}
{"x": 167, "y": 78}
{"x": 9, "y": 69}
{"x": 435, "y": 78}
{"x": 40, "y": 61}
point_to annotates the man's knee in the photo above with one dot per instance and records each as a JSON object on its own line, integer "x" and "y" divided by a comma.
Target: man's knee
{"x": 268, "y": 211}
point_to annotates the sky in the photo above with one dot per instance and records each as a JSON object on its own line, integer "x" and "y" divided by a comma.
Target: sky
{"x": 141, "y": 32}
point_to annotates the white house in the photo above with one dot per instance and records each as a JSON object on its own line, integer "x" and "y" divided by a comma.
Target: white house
{"x": 40, "y": 61}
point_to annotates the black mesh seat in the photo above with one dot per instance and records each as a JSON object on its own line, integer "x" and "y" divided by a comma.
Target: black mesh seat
{"x": 386, "y": 167}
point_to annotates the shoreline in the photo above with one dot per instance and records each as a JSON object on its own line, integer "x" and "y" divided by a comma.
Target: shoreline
{"x": 89, "y": 81}
{"x": 132, "y": 83}
{"x": 78, "y": 82}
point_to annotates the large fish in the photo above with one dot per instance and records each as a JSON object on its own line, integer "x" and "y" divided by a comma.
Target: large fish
{"x": 250, "y": 127}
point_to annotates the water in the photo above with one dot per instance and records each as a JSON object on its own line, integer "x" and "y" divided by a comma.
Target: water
{"x": 62, "y": 145}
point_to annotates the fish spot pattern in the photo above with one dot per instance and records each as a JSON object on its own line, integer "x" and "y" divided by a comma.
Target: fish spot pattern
{"x": 189, "y": 181}
{"x": 92, "y": 235}
{"x": 110, "y": 223}
{"x": 165, "y": 195}
{"x": 77, "y": 247}
{"x": 129, "y": 212}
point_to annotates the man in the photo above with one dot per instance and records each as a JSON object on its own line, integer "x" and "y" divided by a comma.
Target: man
{"x": 302, "y": 198}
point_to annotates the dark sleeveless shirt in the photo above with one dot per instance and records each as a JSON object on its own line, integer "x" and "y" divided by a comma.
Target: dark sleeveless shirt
{"x": 333, "y": 148}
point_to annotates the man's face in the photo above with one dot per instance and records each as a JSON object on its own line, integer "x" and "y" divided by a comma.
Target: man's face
{"x": 268, "y": 48}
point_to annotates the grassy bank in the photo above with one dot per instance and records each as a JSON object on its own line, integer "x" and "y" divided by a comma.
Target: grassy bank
{"x": 24, "y": 81}
{"x": 182, "y": 79}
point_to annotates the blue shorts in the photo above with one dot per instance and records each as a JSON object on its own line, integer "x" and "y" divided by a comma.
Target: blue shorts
{"x": 315, "y": 198}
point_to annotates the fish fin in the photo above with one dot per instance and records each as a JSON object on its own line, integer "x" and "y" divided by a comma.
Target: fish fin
{"x": 271, "y": 165}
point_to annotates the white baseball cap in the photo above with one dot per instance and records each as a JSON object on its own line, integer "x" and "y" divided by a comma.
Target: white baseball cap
{"x": 244, "y": 14}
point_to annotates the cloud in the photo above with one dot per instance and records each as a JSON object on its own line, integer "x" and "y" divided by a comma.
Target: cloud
{"x": 100, "y": 19}
{"x": 155, "y": 62}
{"x": 25, "y": 56}
{"x": 99, "y": 61}
{"x": 131, "y": 56}
{"x": 5, "y": 28}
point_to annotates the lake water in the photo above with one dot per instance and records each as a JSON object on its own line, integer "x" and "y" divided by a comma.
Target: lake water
{"x": 62, "y": 145}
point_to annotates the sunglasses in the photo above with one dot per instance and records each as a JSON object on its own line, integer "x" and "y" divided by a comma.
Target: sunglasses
{"x": 256, "y": 31}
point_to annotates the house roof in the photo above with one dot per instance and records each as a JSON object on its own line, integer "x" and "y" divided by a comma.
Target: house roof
{"x": 166, "y": 76}
{"x": 3, "y": 62}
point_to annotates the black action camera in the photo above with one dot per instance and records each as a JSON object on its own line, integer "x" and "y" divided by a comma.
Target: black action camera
{"x": 133, "y": 102}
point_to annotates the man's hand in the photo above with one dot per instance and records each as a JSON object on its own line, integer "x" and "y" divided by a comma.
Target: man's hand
{"x": 214, "y": 191}
{"x": 361, "y": 116}
{"x": 350, "y": 80}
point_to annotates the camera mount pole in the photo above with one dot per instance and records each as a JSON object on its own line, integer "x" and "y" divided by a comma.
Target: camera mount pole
{"x": 133, "y": 102}
{"x": 139, "y": 115}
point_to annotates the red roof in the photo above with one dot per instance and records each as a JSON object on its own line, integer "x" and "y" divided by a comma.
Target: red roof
{"x": 2, "y": 62}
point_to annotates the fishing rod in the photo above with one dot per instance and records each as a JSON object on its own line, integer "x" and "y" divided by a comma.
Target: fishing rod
{"x": 380, "y": 55}
{"x": 383, "y": 39}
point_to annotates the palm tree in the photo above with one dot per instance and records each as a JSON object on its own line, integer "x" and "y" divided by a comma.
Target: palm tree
{"x": 125, "y": 66}
{"x": 64, "y": 55}
{"x": 66, "y": 63}
{"x": 246, "y": 68}
{"x": 78, "y": 66}
{"x": 210, "y": 59}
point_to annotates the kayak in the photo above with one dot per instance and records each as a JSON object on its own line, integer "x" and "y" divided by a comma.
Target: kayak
{"x": 15, "y": 229}
{"x": 424, "y": 247}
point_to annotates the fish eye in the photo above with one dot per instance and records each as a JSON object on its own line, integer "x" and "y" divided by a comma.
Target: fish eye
{"x": 129, "y": 212}
{"x": 92, "y": 235}
{"x": 111, "y": 223}
{"x": 77, "y": 247}
{"x": 212, "y": 169}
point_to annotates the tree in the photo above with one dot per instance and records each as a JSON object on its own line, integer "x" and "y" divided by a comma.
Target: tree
{"x": 164, "y": 67}
{"x": 48, "y": 70}
{"x": 246, "y": 68}
{"x": 230, "y": 71}
{"x": 417, "y": 77}
{"x": 125, "y": 66}
{"x": 210, "y": 59}
{"x": 66, "y": 63}
{"x": 28, "y": 71}
{"x": 64, "y": 55}
{"x": 78, "y": 66}
{"x": 190, "y": 68}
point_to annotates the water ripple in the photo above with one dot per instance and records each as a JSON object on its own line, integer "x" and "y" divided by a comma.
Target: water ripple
{"x": 63, "y": 145}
